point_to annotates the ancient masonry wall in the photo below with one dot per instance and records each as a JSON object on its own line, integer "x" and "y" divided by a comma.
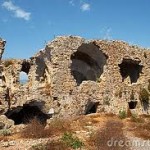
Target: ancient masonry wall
{"x": 74, "y": 76}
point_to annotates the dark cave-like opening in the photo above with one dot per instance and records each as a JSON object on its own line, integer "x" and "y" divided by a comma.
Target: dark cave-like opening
{"x": 91, "y": 107}
{"x": 25, "y": 67}
{"x": 87, "y": 63}
{"x": 23, "y": 77}
{"x": 130, "y": 68}
{"x": 23, "y": 115}
{"x": 132, "y": 104}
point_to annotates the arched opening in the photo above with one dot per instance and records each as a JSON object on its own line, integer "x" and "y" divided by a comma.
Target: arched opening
{"x": 23, "y": 77}
{"x": 25, "y": 66}
{"x": 132, "y": 104}
{"x": 87, "y": 63}
{"x": 40, "y": 69}
{"x": 91, "y": 107}
{"x": 130, "y": 68}
{"x": 23, "y": 114}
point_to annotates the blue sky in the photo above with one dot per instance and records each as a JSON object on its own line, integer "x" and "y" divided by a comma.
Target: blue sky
{"x": 27, "y": 25}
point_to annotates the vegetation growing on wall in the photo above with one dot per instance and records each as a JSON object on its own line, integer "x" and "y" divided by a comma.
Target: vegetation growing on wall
{"x": 8, "y": 62}
{"x": 144, "y": 95}
{"x": 144, "y": 98}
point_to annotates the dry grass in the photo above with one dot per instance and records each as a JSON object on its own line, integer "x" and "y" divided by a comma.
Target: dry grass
{"x": 56, "y": 145}
{"x": 140, "y": 126}
{"x": 137, "y": 119}
{"x": 104, "y": 127}
{"x": 58, "y": 126}
{"x": 66, "y": 142}
{"x": 142, "y": 130}
{"x": 50, "y": 145}
{"x": 129, "y": 114}
{"x": 35, "y": 130}
{"x": 8, "y": 62}
{"x": 4, "y": 138}
{"x": 145, "y": 116}
{"x": 110, "y": 115}
{"x": 47, "y": 89}
{"x": 112, "y": 129}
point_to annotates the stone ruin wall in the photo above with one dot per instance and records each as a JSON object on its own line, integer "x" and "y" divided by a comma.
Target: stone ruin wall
{"x": 105, "y": 91}
{"x": 75, "y": 76}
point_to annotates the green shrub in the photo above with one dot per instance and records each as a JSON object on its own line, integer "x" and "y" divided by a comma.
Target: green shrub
{"x": 5, "y": 132}
{"x": 71, "y": 141}
{"x": 122, "y": 114}
{"x": 144, "y": 95}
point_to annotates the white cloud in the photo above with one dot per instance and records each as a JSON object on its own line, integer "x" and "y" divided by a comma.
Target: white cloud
{"x": 23, "y": 76}
{"x": 71, "y": 2}
{"x": 17, "y": 11}
{"x": 85, "y": 7}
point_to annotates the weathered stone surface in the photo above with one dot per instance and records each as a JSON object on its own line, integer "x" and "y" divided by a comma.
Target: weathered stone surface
{"x": 72, "y": 75}
{"x": 2, "y": 125}
{"x": 6, "y": 122}
{"x": 2, "y": 45}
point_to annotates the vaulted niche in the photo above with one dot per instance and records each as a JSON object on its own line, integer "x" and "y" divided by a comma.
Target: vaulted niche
{"x": 25, "y": 67}
{"x": 23, "y": 77}
{"x": 130, "y": 68}
{"x": 23, "y": 114}
{"x": 91, "y": 107}
{"x": 87, "y": 63}
{"x": 132, "y": 104}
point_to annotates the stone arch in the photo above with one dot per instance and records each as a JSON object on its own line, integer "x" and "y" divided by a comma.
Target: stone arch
{"x": 23, "y": 76}
{"x": 25, "y": 66}
{"x": 91, "y": 107}
{"x": 132, "y": 104}
{"x": 23, "y": 114}
{"x": 130, "y": 68}
{"x": 87, "y": 63}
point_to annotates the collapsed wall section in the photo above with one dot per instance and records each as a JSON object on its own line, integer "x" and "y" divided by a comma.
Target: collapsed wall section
{"x": 87, "y": 63}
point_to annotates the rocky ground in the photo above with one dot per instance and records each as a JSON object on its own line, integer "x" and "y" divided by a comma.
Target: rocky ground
{"x": 94, "y": 130}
